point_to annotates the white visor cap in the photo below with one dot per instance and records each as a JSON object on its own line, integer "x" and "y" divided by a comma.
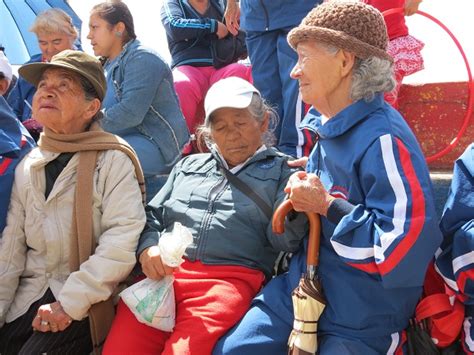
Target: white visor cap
{"x": 231, "y": 92}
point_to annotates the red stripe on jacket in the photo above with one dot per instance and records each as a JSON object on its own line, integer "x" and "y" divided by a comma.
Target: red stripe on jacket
{"x": 7, "y": 161}
{"x": 463, "y": 277}
{"x": 416, "y": 224}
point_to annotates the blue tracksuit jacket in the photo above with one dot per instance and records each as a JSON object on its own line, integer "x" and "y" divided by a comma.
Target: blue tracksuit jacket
{"x": 374, "y": 259}
{"x": 15, "y": 143}
{"x": 20, "y": 97}
{"x": 188, "y": 33}
{"x": 269, "y": 15}
{"x": 455, "y": 258}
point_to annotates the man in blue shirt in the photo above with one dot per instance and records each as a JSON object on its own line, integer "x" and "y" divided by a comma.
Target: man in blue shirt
{"x": 267, "y": 23}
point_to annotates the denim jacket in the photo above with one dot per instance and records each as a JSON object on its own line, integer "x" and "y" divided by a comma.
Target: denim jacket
{"x": 141, "y": 99}
{"x": 228, "y": 227}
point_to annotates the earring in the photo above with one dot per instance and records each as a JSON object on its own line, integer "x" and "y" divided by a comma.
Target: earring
{"x": 118, "y": 33}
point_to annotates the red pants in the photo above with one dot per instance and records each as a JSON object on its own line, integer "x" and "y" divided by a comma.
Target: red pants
{"x": 191, "y": 84}
{"x": 210, "y": 299}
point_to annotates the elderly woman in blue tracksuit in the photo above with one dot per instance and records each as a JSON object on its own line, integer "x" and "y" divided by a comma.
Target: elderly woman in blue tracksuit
{"x": 267, "y": 23}
{"x": 455, "y": 258}
{"x": 368, "y": 180}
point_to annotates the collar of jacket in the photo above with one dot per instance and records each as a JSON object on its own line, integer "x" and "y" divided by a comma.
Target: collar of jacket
{"x": 344, "y": 120}
{"x": 129, "y": 46}
{"x": 39, "y": 158}
{"x": 267, "y": 153}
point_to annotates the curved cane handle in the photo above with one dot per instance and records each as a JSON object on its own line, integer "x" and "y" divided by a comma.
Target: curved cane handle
{"x": 278, "y": 226}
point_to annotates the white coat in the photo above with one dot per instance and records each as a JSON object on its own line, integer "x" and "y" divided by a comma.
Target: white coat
{"x": 34, "y": 249}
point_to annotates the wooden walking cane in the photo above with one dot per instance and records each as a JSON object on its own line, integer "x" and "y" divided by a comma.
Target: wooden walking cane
{"x": 278, "y": 226}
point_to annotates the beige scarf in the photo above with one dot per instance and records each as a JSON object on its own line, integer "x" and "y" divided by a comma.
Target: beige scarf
{"x": 82, "y": 241}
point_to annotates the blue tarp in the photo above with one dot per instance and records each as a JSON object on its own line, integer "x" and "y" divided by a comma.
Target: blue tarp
{"x": 16, "y": 17}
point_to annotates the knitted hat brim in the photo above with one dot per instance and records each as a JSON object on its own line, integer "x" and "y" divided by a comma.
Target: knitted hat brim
{"x": 337, "y": 39}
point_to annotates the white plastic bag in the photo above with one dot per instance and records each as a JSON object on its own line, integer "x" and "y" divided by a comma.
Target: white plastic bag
{"x": 172, "y": 244}
{"x": 153, "y": 301}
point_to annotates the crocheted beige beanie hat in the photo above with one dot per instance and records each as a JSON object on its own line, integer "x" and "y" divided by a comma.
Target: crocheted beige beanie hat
{"x": 353, "y": 26}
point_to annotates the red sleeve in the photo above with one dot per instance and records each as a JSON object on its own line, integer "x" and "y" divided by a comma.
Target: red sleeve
{"x": 396, "y": 26}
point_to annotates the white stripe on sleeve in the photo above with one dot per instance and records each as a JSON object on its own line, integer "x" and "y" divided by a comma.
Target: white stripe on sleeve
{"x": 400, "y": 207}
{"x": 463, "y": 260}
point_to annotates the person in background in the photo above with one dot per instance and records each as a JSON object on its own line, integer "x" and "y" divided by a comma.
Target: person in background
{"x": 404, "y": 48}
{"x": 140, "y": 105}
{"x": 75, "y": 217}
{"x": 6, "y": 74}
{"x": 455, "y": 258}
{"x": 190, "y": 26}
{"x": 234, "y": 248}
{"x": 267, "y": 23}
{"x": 15, "y": 143}
{"x": 55, "y": 32}
{"x": 367, "y": 178}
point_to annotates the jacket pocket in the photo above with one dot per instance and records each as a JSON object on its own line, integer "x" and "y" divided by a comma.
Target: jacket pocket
{"x": 192, "y": 183}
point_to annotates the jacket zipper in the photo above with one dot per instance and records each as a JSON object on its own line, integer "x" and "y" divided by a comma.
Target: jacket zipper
{"x": 318, "y": 166}
{"x": 216, "y": 192}
{"x": 265, "y": 11}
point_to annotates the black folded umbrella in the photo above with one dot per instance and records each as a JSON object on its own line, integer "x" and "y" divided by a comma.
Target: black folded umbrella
{"x": 419, "y": 341}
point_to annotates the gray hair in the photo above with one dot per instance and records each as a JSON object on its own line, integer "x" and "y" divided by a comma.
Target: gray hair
{"x": 258, "y": 108}
{"x": 54, "y": 21}
{"x": 369, "y": 76}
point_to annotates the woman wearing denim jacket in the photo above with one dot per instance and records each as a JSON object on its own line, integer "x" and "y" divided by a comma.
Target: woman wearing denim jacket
{"x": 141, "y": 105}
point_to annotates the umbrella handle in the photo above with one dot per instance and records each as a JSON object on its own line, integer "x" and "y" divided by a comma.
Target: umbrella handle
{"x": 278, "y": 226}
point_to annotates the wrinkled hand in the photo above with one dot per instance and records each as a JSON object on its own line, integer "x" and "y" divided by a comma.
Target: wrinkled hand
{"x": 307, "y": 193}
{"x": 232, "y": 17}
{"x": 298, "y": 163}
{"x": 152, "y": 265}
{"x": 411, "y": 7}
{"x": 221, "y": 30}
{"x": 51, "y": 318}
